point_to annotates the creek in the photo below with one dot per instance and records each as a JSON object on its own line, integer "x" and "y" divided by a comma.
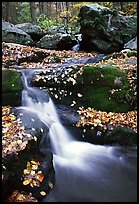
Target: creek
{"x": 85, "y": 172}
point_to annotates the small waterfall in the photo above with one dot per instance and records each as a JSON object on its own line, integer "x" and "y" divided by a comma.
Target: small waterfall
{"x": 84, "y": 172}
{"x": 38, "y": 102}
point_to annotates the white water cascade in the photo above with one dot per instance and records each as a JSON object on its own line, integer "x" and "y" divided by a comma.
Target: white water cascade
{"x": 84, "y": 172}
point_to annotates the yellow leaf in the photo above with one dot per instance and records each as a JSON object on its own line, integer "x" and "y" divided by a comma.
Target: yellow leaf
{"x": 34, "y": 162}
{"x": 28, "y": 165}
{"x": 25, "y": 171}
{"x": 26, "y": 182}
{"x": 9, "y": 124}
{"x": 34, "y": 167}
{"x": 43, "y": 193}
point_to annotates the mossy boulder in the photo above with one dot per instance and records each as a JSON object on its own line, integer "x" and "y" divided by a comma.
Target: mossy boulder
{"x": 11, "y": 87}
{"x": 94, "y": 84}
{"x": 104, "y": 29}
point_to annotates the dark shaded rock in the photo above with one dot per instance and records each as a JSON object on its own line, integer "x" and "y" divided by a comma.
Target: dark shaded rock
{"x": 122, "y": 135}
{"x": 15, "y": 163}
{"x": 37, "y": 56}
{"x": 104, "y": 30}
{"x": 10, "y": 33}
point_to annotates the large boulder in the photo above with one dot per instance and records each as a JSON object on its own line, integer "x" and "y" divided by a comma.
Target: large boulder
{"x": 105, "y": 30}
{"x": 10, "y": 33}
{"x": 34, "y": 31}
{"x": 58, "y": 41}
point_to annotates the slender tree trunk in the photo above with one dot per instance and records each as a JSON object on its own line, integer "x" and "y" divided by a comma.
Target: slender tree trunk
{"x": 5, "y": 10}
{"x": 67, "y": 15}
{"x": 33, "y": 12}
{"x": 56, "y": 12}
{"x": 61, "y": 10}
{"x": 41, "y": 8}
{"x": 121, "y": 3}
{"x": 49, "y": 9}
{"x": 72, "y": 5}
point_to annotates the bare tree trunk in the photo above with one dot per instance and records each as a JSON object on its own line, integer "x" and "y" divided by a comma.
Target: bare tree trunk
{"x": 72, "y": 5}
{"x": 5, "y": 10}
{"x": 67, "y": 15}
{"x": 9, "y": 11}
{"x": 44, "y": 8}
{"x": 121, "y": 3}
{"x": 33, "y": 12}
{"x": 41, "y": 6}
{"x": 56, "y": 12}
{"x": 61, "y": 10}
{"x": 67, "y": 8}
{"x": 49, "y": 9}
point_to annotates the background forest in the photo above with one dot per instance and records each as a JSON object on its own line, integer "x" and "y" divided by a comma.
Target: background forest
{"x": 47, "y": 14}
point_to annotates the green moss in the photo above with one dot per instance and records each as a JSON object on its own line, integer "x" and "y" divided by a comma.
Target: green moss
{"x": 99, "y": 99}
{"x": 130, "y": 54}
{"x": 11, "y": 81}
{"x": 102, "y": 76}
{"x": 11, "y": 87}
{"x": 94, "y": 85}
{"x": 97, "y": 83}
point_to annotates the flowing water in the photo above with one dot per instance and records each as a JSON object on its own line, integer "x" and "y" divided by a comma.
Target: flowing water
{"x": 84, "y": 172}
